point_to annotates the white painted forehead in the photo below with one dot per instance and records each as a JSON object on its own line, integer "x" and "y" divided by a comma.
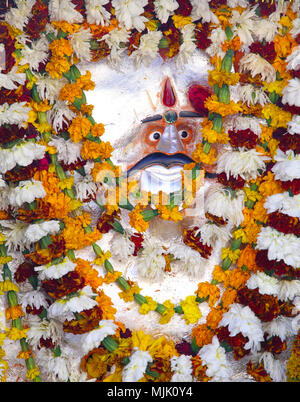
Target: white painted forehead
{"x": 124, "y": 97}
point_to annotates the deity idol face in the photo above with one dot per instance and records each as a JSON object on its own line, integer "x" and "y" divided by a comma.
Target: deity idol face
{"x": 152, "y": 117}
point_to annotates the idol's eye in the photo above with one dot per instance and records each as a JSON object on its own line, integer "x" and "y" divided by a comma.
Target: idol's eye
{"x": 155, "y": 136}
{"x": 184, "y": 134}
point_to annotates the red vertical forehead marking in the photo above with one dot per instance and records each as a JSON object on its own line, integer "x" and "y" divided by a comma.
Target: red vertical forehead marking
{"x": 169, "y": 98}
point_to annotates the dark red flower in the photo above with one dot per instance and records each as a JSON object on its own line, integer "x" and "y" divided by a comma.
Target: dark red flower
{"x": 292, "y": 185}
{"x": 295, "y": 73}
{"x": 39, "y": 19}
{"x": 265, "y": 7}
{"x": 24, "y": 271}
{"x": 273, "y": 344}
{"x": 69, "y": 283}
{"x": 217, "y": 3}
{"x": 197, "y": 95}
{"x": 290, "y": 141}
{"x": 265, "y": 50}
{"x": 185, "y": 8}
{"x": 72, "y": 166}
{"x": 185, "y": 348}
{"x": 34, "y": 310}
{"x": 232, "y": 182}
{"x": 137, "y": 239}
{"x": 202, "y": 36}
{"x": 126, "y": 334}
{"x": 243, "y": 138}
{"x": 194, "y": 241}
{"x": 237, "y": 342}
{"x": 284, "y": 223}
{"x": 47, "y": 343}
{"x": 279, "y": 268}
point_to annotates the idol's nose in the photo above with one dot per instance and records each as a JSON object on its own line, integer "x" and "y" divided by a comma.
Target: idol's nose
{"x": 170, "y": 142}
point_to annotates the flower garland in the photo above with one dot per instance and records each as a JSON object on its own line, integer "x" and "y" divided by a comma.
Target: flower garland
{"x": 48, "y": 133}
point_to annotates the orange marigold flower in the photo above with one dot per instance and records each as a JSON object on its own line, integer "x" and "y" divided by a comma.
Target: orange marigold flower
{"x": 79, "y": 128}
{"x": 85, "y": 82}
{"x": 219, "y": 274}
{"x": 236, "y": 278}
{"x": 61, "y": 47}
{"x": 69, "y": 92}
{"x": 213, "y": 318}
{"x": 214, "y": 106}
{"x": 136, "y": 219}
{"x": 57, "y": 66}
{"x": 247, "y": 258}
{"x": 106, "y": 306}
{"x": 97, "y": 130}
{"x": 206, "y": 289}
{"x": 228, "y": 298}
{"x": 14, "y": 312}
{"x": 202, "y": 334}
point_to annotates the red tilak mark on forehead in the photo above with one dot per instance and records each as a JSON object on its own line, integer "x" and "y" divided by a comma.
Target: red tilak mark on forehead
{"x": 169, "y": 98}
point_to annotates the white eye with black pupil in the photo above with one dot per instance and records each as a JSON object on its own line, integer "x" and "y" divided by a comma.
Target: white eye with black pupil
{"x": 184, "y": 134}
{"x": 154, "y": 136}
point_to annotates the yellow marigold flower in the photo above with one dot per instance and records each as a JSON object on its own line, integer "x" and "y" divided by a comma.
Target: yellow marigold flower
{"x": 85, "y": 82}
{"x": 5, "y": 260}
{"x": 275, "y": 86}
{"x": 69, "y": 92}
{"x": 57, "y": 66}
{"x": 97, "y": 130}
{"x": 25, "y": 355}
{"x": 41, "y": 106}
{"x": 223, "y": 77}
{"x": 279, "y": 117}
{"x": 2, "y": 337}
{"x": 240, "y": 234}
{"x": 214, "y": 106}
{"x": 14, "y": 312}
{"x": 168, "y": 313}
{"x": 170, "y": 214}
{"x": 128, "y": 296}
{"x": 136, "y": 219}
{"x": 32, "y": 373}
{"x": 66, "y": 183}
{"x": 251, "y": 194}
{"x": 233, "y": 255}
{"x": 66, "y": 26}
{"x": 112, "y": 277}
{"x": 75, "y": 204}
{"x": 149, "y": 306}
{"x": 2, "y": 238}
{"x": 94, "y": 150}
{"x": 7, "y": 285}
{"x": 79, "y": 128}
{"x": 180, "y": 21}
{"x": 16, "y": 334}
{"x": 43, "y": 127}
{"x": 101, "y": 259}
{"x": 200, "y": 156}
{"x": 61, "y": 47}
{"x": 191, "y": 311}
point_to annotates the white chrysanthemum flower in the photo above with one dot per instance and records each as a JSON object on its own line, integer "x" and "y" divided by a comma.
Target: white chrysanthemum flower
{"x": 243, "y": 25}
{"x": 36, "y": 231}
{"x": 255, "y": 64}
{"x": 96, "y": 13}
{"x": 266, "y": 284}
{"x": 249, "y": 94}
{"x": 296, "y": 26}
{"x": 239, "y": 122}
{"x": 236, "y": 3}
{"x": 128, "y": 13}
{"x": 26, "y": 191}
{"x": 55, "y": 271}
{"x": 217, "y": 37}
{"x": 273, "y": 367}
{"x": 19, "y": 16}
{"x": 151, "y": 263}
{"x": 165, "y": 8}
{"x": 190, "y": 260}
{"x": 188, "y": 46}
{"x": 49, "y": 88}
{"x": 10, "y": 79}
{"x": 56, "y": 367}
{"x": 287, "y": 166}
{"x": 211, "y": 233}
{"x": 14, "y": 232}
{"x": 291, "y": 92}
{"x": 34, "y": 299}
{"x": 283, "y": 203}
{"x": 182, "y": 368}
{"x": 80, "y": 42}
{"x": 266, "y": 29}
{"x": 135, "y": 369}
{"x": 35, "y": 54}
{"x": 22, "y": 154}
{"x": 279, "y": 246}
{"x": 67, "y": 151}
{"x": 293, "y": 125}
{"x": 288, "y": 290}
{"x": 242, "y": 319}
{"x": 148, "y": 48}
{"x": 60, "y": 115}
{"x": 121, "y": 246}
{"x": 16, "y": 113}
{"x": 93, "y": 338}
{"x": 115, "y": 39}
{"x": 244, "y": 163}
{"x": 214, "y": 357}
{"x": 85, "y": 187}
{"x": 293, "y": 60}
{"x": 44, "y": 329}
{"x": 280, "y": 326}
{"x": 81, "y": 301}
{"x": 64, "y": 10}
{"x": 202, "y": 11}
{"x": 220, "y": 202}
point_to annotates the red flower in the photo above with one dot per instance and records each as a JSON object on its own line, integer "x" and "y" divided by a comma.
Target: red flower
{"x": 267, "y": 50}
{"x": 69, "y": 283}
{"x": 278, "y": 267}
{"x": 184, "y": 348}
{"x": 292, "y": 185}
{"x": 274, "y": 344}
{"x": 24, "y": 271}
{"x": 201, "y": 36}
{"x": 197, "y": 95}
{"x": 237, "y": 342}
{"x": 233, "y": 182}
{"x": 137, "y": 239}
{"x": 284, "y": 223}
{"x": 243, "y": 138}
{"x": 38, "y": 21}
{"x": 194, "y": 241}
{"x": 290, "y": 141}
{"x": 185, "y": 8}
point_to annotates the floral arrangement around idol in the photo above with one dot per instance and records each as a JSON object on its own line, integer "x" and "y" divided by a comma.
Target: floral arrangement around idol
{"x": 48, "y": 135}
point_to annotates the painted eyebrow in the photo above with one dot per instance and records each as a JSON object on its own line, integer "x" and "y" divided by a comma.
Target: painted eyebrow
{"x": 181, "y": 114}
{"x": 152, "y": 118}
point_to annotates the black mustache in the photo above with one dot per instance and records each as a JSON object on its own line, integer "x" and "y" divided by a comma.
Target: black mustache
{"x": 161, "y": 159}
{"x": 165, "y": 160}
